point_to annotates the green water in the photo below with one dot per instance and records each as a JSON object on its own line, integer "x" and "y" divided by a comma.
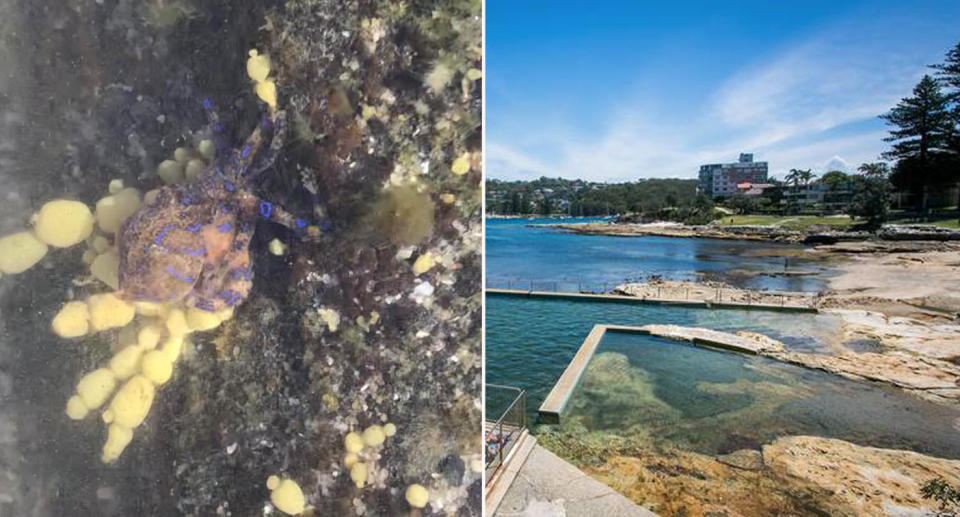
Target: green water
{"x": 715, "y": 402}
{"x": 529, "y": 342}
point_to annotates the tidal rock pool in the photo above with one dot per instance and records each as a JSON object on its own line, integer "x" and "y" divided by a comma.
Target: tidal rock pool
{"x": 687, "y": 430}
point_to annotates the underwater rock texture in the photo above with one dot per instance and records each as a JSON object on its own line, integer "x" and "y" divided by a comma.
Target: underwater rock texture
{"x": 383, "y": 140}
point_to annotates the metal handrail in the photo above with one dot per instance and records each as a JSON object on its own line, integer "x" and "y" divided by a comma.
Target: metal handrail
{"x": 521, "y": 398}
{"x": 495, "y": 460}
{"x": 555, "y": 286}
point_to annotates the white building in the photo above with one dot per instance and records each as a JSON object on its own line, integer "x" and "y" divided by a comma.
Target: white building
{"x": 721, "y": 179}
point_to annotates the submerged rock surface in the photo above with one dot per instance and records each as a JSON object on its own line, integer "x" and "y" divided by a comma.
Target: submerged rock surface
{"x": 383, "y": 141}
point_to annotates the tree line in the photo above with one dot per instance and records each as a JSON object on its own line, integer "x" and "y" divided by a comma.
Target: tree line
{"x": 925, "y": 134}
{"x": 924, "y": 153}
{"x": 556, "y": 196}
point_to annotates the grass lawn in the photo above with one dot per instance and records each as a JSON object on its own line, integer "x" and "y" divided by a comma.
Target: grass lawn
{"x": 794, "y": 222}
{"x": 950, "y": 223}
{"x": 805, "y": 221}
{"x": 750, "y": 220}
{"x": 944, "y": 218}
{"x": 802, "y": 222}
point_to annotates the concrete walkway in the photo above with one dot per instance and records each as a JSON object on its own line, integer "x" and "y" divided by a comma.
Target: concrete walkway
{"x": 547, "y": 486}
{"x": 654, "y": 301}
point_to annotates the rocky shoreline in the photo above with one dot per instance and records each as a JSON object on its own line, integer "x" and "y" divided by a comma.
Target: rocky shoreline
{"x": 749, "y": 233}
{"x": 898, "y": 324}
{"x": 792, "y": 475}
{"x": 898, "y": 298}
{"x": 818, "y": 235}
{"x": 917, "y": 351}
{"x": 713, "y": 291}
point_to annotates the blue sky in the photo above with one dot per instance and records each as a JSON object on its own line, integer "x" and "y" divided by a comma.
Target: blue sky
{"x": 615, "y": 91}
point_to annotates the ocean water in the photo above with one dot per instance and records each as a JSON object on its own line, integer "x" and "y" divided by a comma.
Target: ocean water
{"x": 529, "y": 342}
{"x": 517, "y": 252}
{"x": 668, "y": 395}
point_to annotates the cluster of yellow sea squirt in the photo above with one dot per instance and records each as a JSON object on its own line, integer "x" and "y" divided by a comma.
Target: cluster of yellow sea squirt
{"x": 258, "y": 69}
{"x": 362, "y": 452}
{"x": 151, "y": 336}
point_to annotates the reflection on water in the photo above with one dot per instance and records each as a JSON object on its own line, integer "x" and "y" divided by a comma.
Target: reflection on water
{"x": 714, "y": 402}
{"x": 518, "y": 252}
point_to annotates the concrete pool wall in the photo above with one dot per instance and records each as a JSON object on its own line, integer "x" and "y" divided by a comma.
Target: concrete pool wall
{"x": 556, "y": 401}
{"x": 653, "y": 301}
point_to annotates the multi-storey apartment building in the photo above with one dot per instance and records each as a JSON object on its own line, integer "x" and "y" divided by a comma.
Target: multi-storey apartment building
{"x": 721, "y": 179}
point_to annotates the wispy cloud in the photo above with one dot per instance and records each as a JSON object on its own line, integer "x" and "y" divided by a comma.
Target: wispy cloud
{"x": 823, "y": 155}
{"x": 514, "y": 163}
{"x": 819, "y": 85}
{"x": 811, "y": 103}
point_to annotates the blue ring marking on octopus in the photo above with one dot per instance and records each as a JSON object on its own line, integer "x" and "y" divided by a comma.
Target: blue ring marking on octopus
{"x": 218, "y": 127}
{"x": 225, "y": 227}
{"x": 240, "y": 273}
{"x": 196, "y": 252}
{"x": 301, "y": 223}
{"x": 234, "y": 299}
{"x": 204, "y": 304}
{"x": 186, "y": 201}
{"x": 246, "y": 151}
{"x": 245, "y": 228}
{"x": 229, "y": 186}
{"x": 163, "y": 233}
{"x": 194, "y": 227}
{"x": 326, "y": 225}
{"x": 230, "y": 297}
{"x": 178, "y": 276}
{"x": 207, "y": 103}
{"x": 266, "y": 208}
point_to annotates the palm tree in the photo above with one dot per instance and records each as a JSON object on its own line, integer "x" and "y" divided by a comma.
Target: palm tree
{"x": 793, "y": 178}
